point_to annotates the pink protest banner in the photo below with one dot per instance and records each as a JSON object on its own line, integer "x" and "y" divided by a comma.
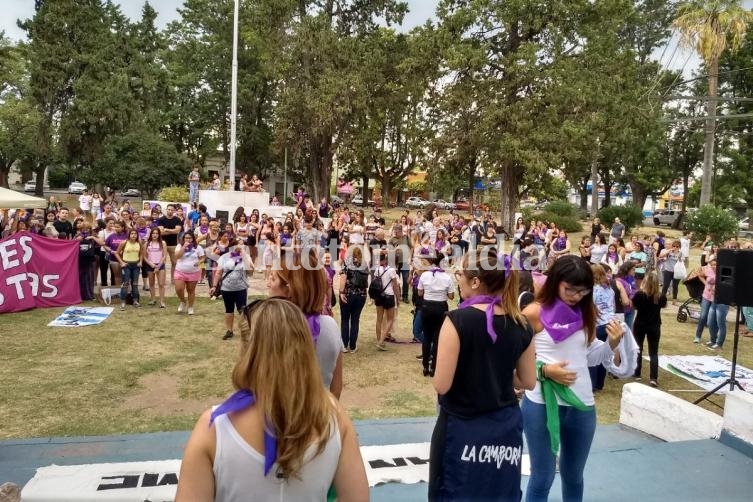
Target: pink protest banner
{"x": 37, "y": 272}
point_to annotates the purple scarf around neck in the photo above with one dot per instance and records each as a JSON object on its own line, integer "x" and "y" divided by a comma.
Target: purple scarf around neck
{"x": 314, "y": 326}
{"x": 241, "y": 400}
{"x": 560, "y": 320}
{"x": 491, "y": 301}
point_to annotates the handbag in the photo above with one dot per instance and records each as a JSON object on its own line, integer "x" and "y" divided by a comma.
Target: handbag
{"x": 218, "y": 287}
{"x": 680, "y": 272}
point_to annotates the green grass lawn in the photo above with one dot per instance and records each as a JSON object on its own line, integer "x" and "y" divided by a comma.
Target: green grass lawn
{"x": 155, "y": 370}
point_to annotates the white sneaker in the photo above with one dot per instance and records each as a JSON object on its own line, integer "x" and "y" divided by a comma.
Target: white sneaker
{"x": 181, "y": 307}
{"x": 190, "y": 310}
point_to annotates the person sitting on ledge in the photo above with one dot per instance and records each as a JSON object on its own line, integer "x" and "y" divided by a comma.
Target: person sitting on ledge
{"x": 255, "y": 185}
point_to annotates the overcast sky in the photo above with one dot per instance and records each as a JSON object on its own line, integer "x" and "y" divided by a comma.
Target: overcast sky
{"x": 420, "y": 11}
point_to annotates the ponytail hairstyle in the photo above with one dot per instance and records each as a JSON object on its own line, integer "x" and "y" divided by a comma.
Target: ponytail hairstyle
{"x": 495, "y": 280}
{"x": 295, "y": 405}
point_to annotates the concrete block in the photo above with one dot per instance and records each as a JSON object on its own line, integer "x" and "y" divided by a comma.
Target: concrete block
{"x": 738, "y": 415}
{"x": 665, "y": 416}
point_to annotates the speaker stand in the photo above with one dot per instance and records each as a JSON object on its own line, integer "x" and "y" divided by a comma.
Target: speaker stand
{"x": 732, "y": 380}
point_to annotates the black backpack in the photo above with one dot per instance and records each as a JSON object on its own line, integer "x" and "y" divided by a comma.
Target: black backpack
{"x": 376, "y": 288}
{"x": 358, "y": 279}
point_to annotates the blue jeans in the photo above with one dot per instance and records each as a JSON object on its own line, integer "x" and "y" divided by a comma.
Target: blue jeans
{"x": 350, "y": 320}
{"x": 598, "y": 373}
{"x": 702, "y": 319}
{"x": 577, "y": 430}
{"x": 129, "y": 273}
{"x": 629, "y": 318}
{"x": 404, "y": 286}
{"x": 418, "y": 326}
{"x": 193, "y": 192}
{"x": 748, "y": 313}
{"x": 718, "y": 323}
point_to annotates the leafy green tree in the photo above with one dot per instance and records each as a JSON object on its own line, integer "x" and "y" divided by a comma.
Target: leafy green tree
{"x": 711, "y": 26}
{"x": 319, "y": 78}
{"x": 139, "y": 159}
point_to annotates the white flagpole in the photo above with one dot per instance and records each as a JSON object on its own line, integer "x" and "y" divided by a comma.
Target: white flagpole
{"x": 234, "y": 96}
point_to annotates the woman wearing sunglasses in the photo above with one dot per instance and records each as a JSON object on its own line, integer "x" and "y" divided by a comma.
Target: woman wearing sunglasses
{"x": 564, "y": 319}
{"x": 281, "y": 435}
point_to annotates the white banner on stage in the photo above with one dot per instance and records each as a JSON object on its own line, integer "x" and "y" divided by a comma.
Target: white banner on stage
{"x": 155, "y": 481}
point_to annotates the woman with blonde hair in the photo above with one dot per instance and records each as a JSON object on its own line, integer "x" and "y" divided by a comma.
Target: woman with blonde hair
{"x": 648, "y": 302}
{"x": 281, "y": 435}
{"x": 484, "y": 353}
{"x": 301, "y": 279}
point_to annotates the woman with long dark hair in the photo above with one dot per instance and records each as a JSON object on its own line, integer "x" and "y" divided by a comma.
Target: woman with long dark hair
{"x": 354, "y": 281}
{"x": 484, "y": 353}
{"x": 559, "y": 413}
{"x": 648, "y": 303}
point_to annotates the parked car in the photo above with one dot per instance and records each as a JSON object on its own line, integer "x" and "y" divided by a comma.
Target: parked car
{"x": 744, "y": 224}
{"x": 358, "y": 201}
{"x": 30, "y": 186}
{"x": 462, "y": 205}
{"x": 442, "y": 204}
{"x": 130, "y": 192}
{"x": 666, "y": 216}
{"x": 76, "y": 188}
{"x": 416, "y": 203}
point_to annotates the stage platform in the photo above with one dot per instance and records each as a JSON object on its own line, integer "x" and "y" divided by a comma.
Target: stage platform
{"x": 624, "y": 464}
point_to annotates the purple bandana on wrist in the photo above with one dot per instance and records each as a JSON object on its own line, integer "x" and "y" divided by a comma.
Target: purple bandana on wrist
{"x": 314, "y": 326}
{"x": 239, "y": 401}
{"x": 560, "y": 320}
{"x": 491, "y": 301}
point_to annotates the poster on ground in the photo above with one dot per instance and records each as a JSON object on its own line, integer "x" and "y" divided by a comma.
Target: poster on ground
{"x": 36, "y": 271}
{"x": 707, "y": 372}
{"x": 74, "y": 317}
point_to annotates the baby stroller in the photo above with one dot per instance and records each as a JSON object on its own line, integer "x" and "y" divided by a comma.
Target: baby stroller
{"x": 691, "y": 308}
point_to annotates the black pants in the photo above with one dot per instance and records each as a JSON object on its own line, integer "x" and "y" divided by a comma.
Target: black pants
{"x": 668, "y": 277}
{"x": 653, "y": 333}
{"x": 104, "y": 269}
{"x": 432, "y": 317}
{"x": 86, "y": 278}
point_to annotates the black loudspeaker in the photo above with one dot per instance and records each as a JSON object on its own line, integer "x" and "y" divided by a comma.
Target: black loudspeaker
{"x": 223, "y": 216}
{"x": 734, "y": 277}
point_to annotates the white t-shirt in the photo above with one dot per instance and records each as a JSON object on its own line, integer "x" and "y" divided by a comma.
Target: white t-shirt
{"x": 684, "y": 247}
{"x": 84, "y": 202}
{"x": 436, "y": 286}
{"x": 387, "y": 274}
{"x": 189, "y": 262}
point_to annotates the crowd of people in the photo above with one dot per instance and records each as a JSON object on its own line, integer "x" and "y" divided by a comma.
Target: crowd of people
{"x": 536, "y": 316}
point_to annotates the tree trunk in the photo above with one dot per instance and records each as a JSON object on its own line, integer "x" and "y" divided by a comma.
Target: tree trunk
{"x": 583, "y": 191}
{"x": 365, "y": 195}
{"x": 386, "y": 189}
{"x": 4, "y": 172}
{"x": 639, "y": 194}
{"x": 708, "y": 147}
{"x": 595, "y": 185}
{"x": 511, "y": 177}
{"x": 471, "y": 183}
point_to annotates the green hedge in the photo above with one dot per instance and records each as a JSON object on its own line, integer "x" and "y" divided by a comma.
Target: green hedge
{"x": 569, "y": 223}
{"x": 173, "y": 194}
{"x": 562, "y": 208}
{"x": 713, "y": 221}
{"x": 630, "y": 215}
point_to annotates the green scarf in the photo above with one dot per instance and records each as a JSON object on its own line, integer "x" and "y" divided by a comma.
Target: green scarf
{"x": 551, "y": 390}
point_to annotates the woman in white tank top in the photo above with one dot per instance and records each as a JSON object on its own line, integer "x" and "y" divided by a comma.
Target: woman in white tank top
{"x": 564, "y": 322}
{"x": 237, "y": 452}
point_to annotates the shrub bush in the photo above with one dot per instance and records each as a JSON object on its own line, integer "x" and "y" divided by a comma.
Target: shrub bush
{"x": 630, "y": 215}
{"x": 713, "y": 221}
{"x": 562, "y": 208}
{"x": 569, "y": 223}
{"x": 173, "y": 194}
